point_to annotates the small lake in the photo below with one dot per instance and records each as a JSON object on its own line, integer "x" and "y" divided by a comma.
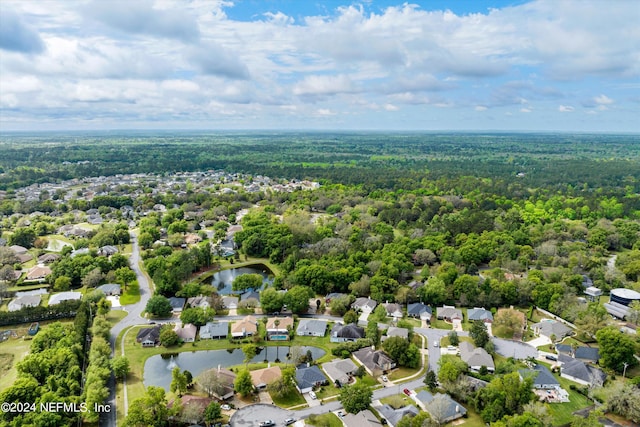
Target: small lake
{"x": 157, "y": 370}
{"x": 222, "y": 280}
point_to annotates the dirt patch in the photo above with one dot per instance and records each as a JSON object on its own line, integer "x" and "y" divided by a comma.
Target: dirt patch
{"x": 6, "y": 363}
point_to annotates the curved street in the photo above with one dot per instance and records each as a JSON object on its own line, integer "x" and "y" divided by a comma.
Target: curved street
{"x": 134, "y": 317}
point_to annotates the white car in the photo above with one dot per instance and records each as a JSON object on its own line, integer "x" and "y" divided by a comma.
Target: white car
{"x": 384, "y": 378}
{"x": 313, "y": 395}
{"x": 225, "y": 407}
{"x": 435, "y": 344}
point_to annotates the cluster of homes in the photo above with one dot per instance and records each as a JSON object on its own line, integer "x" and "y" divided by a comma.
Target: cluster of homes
{"x": 34, "y": 298}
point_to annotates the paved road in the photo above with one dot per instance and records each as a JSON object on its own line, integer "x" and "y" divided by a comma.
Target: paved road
{"x": 433, "y": 336}
{"x": 134, "y": 317}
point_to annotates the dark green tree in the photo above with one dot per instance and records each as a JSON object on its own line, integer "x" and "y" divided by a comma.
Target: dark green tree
{"x": 355, "y": 398}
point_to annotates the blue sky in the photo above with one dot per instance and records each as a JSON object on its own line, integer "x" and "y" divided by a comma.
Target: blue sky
{"x": 515, "y": 65}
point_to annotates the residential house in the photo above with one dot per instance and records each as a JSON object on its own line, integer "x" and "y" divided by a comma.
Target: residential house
{"x": 479, "y": 314}
{"x": 361, "y": 419}
{"x": 244, "y": 328}
{"x": 177, "y": 304}
{"x": 261, "y": 378}
{"x": 38, "y": 272}
{"x": 580, "y": 372}
{"x": 332, "y": 296}
{"x": 192, "y": 404}
{"x": 393, "y": 416}
{"x": 230, "y": 303}
{"x": 199, "y": 301}
{"x": 110, "y": 289}
{"x": 449, "y": 313}
{"x": 223, "y": 390}
{"x": 251, "y": 297}
{"x": 587, "y": 354}
{"x": 48, "y": 258}
{"x": 187, "y": 332}
{"x": 192, "y": 239}
{"x": 18, "y": 250}
{"x": 366, "y": 305}
{"x": 64, "y": 296}
{"x": 374, "y": 361}
{"x": 312, "y": 327}
{"x": 543, "y": 379}
{"x": 419, "y": 310}
{"x": 340, "y": 370}
{"x": 149, "y": 337}
{"x": 107, "y": 250}
{"x": 476, "y": 357}
{"x": 441, "y": 407}
{"x": 24, "y": 301}
{"x": 550, "y": 327}
{"x": 396, "y": 332}
{"x": 214, "y": 330}
{"x": 393, "y": 310}
{"x": 309, "y": 377}
{"x": 346, "y": 333}
{"x": 278, "y": 328}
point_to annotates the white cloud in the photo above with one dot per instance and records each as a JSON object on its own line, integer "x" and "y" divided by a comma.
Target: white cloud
{"x": 566, "y": 108}
{"x": 526, "y": 110}
{"x": 317, "y": 85}
{"x": 325, "y": 112}
{"x": 603, "y": 100}
{"x": 391, "y": 107}
{"x": 480, "y": 108}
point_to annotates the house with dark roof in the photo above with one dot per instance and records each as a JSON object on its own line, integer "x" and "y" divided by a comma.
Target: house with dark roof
{"x": 214, "y": 330}
{"x": 441, "y": 407}
{"x": 476, "y": 357}
{"x": 366, "y": 305}
{"x": 251, "y": 297}
{"x": 223, "y": 390}
{"x": 587, "y": 354}
{"x": 361, "y": 419}
{"x": 580, "y": 372}
{"x": 312, "y": 327}
{"x": 149, "y": 337}
{"x": 309, "y": 377}
{"x": 393, "y": 416}
{"x": 107, "y": 250}
{"x": 110, "y": 289}
{"x": 48, "y": 258}
{"x": 542, "y": 377}
{"x": 479, "y": 314}
{"x": 340, "y": 370}
{"x": 333, "y": 295}
{"x": 375, "y": 362}
{"x": 345, "y": 333}
{"x": 177, "y": 304}
{"x": 419, "y": 310}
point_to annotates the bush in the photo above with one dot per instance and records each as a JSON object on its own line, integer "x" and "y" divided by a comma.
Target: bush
{"x": 344, "y": 350}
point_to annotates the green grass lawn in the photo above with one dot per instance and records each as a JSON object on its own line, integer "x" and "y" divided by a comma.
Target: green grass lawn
{"x": 444, "y": 342}
{"x": 440, "y": 324}
{"x": 396, "y": 401}
{"x": 325, "y": 420}
{"x": 12, "y": 351}
{"x": 114, "y": 316}
{"x": 294, "y": 398}
{"x": 403, "y": 372}
{"x": 327, "y": 392}
{"x": 563, "y": 412}
{"x": 131, "y": 295}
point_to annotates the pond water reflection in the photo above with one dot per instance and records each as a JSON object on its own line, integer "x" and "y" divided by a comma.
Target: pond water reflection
{"x": 222, "y": 280}
{"x": 157, "y": 370}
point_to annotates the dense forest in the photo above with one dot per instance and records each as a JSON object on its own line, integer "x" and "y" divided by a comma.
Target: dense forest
{"x": 471, "y": 220}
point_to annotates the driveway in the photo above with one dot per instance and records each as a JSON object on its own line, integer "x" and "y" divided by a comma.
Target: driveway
{"x": 433, "y": 336}
{"x": 515, "y": 349}
{"x": 253, "y": 415}
{"x": 537, "y": 342}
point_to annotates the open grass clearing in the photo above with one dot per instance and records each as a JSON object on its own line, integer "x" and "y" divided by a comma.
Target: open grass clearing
{"x": 293, "y": 398}
{"x": 324, "y": 420}
{"x": 131, "y": 295}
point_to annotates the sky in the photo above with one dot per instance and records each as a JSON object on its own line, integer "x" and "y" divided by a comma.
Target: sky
{"x": 460, "y": 65}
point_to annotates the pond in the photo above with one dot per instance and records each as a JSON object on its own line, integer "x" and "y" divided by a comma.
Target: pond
{"x": 157, "y": 369}
{"x": 222, "y": 280}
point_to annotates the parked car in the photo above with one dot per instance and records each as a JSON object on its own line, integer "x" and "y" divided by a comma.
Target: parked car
{"x": 313, "y": 395}
{"x": 435, "y": 344}
{"x": 341, "y": 414}
{"x": 551, "y": 357}
{"x": 406, "y": 391}
{"x": 225, "y": 407}
{"x": 384, "y": 378}
{"x": 289, "y": 421}
{"x": 267, "y": 423}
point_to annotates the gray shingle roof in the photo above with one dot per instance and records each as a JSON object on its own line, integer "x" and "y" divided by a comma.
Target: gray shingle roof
{"x": 313, "y": 326}
{"x": 309, "y": 377}
{"x": 542, "y": 377}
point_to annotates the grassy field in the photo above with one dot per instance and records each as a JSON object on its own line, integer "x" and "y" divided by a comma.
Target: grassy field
{"x": 114, "y": 316}
{"x": 11, "y": 352}
{"x": 131, "y": 295}
{"x": 563, "y": 412}
{"x": 440, "y": 324}
{"x": 291, "y": 399}
{"x": 325, "y": 420}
